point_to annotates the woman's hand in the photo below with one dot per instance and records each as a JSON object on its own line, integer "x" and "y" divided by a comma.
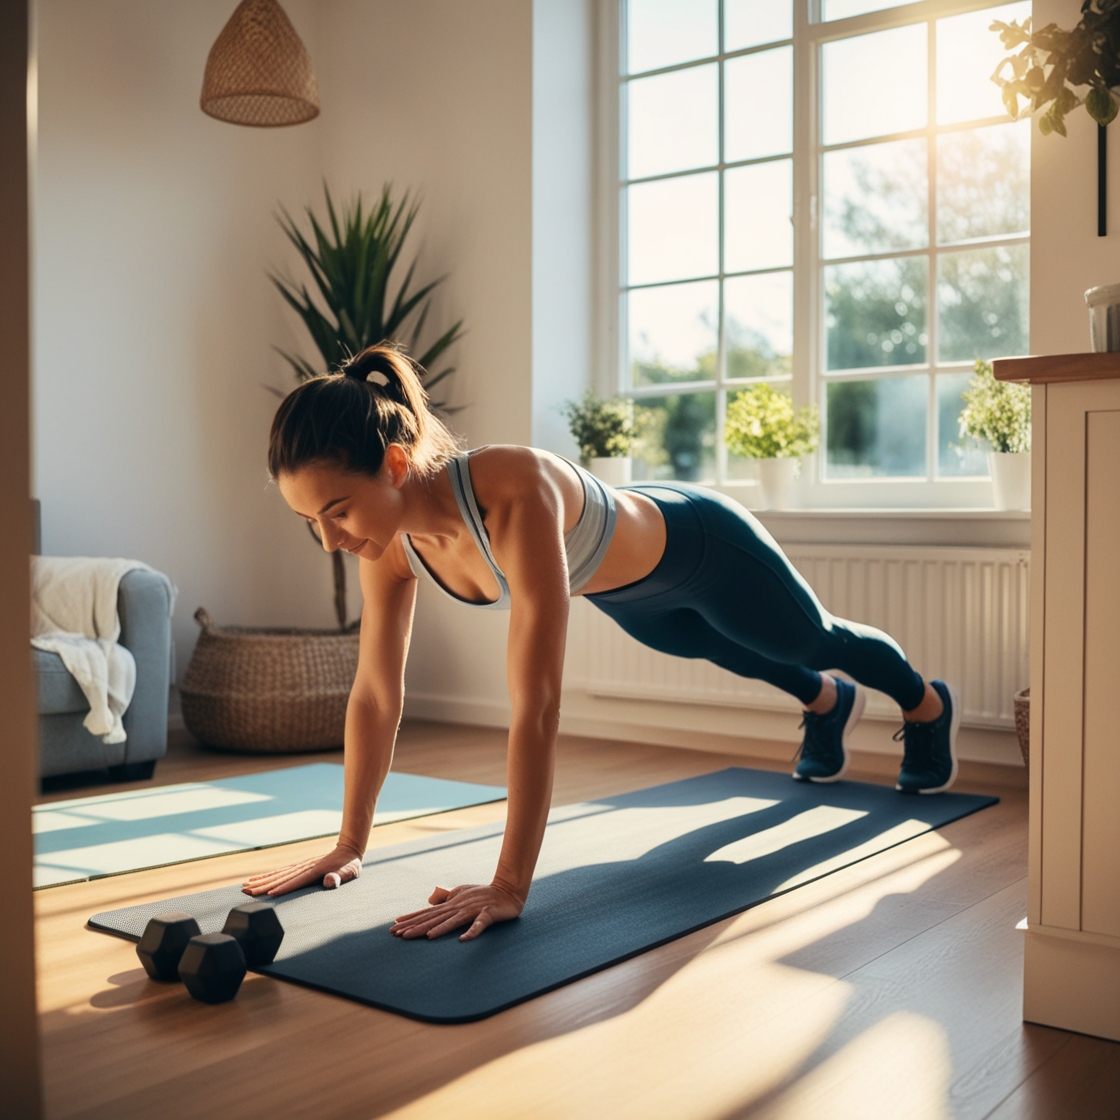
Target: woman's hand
{"x": 332, "y": 870}
{"x": 475, "y": 906}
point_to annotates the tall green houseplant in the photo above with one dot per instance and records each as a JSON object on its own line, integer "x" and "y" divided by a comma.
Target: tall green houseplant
{"x": 355, "y": 298}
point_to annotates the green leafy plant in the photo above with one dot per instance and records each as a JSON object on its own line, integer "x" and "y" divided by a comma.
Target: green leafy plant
{"x": 352, "y": 258}
{"x": 763, "y": 424}
{"x": 604, "y": 429}
{"x": 996, "y": 411}
{"x": 1050, "y": 64}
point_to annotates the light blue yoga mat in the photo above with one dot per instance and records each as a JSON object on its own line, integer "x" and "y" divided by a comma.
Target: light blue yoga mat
{"x": 91, "y": 837}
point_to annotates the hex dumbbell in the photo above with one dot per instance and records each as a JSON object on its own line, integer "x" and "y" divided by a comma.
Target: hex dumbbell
{"x": 212, "y": 967}
{"x": 258, "y": 931}
{"x": 162, "y": 944}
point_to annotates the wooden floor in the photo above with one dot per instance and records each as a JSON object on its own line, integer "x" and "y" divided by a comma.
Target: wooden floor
{"x": 889, "y": 989}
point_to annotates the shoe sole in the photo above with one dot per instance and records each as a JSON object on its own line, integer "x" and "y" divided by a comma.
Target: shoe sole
{"x": 954, "y": 727}
{"x": 858, "y": 704}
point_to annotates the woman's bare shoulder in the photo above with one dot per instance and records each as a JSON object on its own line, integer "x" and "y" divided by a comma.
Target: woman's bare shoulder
{"x": 508, "y": 469}
{"x": 507, "y": 478}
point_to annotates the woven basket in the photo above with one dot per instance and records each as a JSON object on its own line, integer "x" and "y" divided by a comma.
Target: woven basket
{"x": 273, "y": 691}
{"x": 1023, "y": 723}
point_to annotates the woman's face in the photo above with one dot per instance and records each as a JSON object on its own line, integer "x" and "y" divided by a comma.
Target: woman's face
{"x": 356, "y": 512}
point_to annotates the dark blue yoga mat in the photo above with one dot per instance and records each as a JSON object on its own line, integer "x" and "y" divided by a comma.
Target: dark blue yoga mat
{"x": 616, "y": 877}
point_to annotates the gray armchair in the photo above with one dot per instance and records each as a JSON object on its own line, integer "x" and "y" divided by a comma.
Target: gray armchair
{"x": 65, "y": 746}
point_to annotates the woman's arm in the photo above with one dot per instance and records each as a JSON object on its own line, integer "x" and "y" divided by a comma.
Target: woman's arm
{"x": 373, "y": 715}
{"x": 528, "y": 543}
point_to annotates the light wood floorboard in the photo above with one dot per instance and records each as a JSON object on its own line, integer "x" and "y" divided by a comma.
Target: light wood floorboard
{"x": 888, "y": 989}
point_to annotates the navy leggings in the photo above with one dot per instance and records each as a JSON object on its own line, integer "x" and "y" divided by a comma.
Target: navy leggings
{"x": 723, "y": 590}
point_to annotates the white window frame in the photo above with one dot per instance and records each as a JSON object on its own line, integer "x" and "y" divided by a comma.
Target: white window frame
{"x": 814, "y": 491}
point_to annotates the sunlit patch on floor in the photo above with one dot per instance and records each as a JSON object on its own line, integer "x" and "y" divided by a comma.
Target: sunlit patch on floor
{"x": 899, "y": 1068}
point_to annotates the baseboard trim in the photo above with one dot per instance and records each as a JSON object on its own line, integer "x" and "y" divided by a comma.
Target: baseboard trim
{"x": 456, "y": 709}
{"x": 988, "y": 757}
{"x": 1071, "y": 983}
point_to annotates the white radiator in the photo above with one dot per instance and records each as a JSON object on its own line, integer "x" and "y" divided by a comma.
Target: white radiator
{"x": 959, "y": 613}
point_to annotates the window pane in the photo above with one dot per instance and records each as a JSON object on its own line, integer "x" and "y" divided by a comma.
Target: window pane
{"x": 841, "y": 9}
{"x": 957, "y": 456}
{"x": 750, "y": 23}
{"x": 983, "y": 299}
{"x": 740, "y": 469}
{"x": 877, "y": 428}
{"x": 673, "y": 228}
{"x": 984, "y": 182}
{"x": 673, "y": 121}
{"x": 758, "y": 313}
{"x": 663, "y": 32}
{"x": 758, "y": 105}
{"x": 758, "y": 216}
{"x": 967, "y": 54}
{"x": 674, "y": 332}
{"x": 874, "y": 84}
{"x": 876, "y": 199}
{"x": 677, "y": 437}
{"x": 875, "y": 313}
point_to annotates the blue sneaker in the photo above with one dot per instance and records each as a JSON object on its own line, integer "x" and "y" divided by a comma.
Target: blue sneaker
{"x": 929, "y": 759}
{"x": 824, "y": 750}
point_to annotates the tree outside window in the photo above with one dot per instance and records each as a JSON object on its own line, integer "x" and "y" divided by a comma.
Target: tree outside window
{"x": 914, "y": 241}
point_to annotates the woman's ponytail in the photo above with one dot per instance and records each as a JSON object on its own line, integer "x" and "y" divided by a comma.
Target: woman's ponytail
{"x": 350, "y": 417}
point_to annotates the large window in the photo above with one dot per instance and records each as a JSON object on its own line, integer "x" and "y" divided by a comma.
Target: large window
{"x": 836, "y": 205}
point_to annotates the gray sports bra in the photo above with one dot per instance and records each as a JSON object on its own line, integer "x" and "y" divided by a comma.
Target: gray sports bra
{"x": 585, "y": 545}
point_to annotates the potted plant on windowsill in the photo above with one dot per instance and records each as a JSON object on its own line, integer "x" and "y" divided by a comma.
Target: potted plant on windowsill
{"x": 1000, "y": 413}
{"x": 762, "y": 424}
{"x": 604, "y": 431}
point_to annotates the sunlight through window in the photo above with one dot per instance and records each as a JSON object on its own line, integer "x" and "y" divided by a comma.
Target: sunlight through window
{"x": 813, "y": 822}
{"x": 861, "y": 252}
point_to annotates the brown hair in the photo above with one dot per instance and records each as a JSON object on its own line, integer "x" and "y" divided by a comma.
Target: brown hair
{"x": 350, "y": 417}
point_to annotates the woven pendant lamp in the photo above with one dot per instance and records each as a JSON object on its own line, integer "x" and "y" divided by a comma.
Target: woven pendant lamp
{"x": 259, "y": 72}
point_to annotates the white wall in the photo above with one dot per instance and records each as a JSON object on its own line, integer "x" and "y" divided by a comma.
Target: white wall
{"x": 154, "y": 320}
{"x": 437, "y": 95}
{"x": 563, "y": 214}
{"x": 1067, "y": 256}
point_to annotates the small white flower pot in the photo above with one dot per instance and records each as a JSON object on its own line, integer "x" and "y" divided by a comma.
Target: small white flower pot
{"x": 776, "y": 477}
{"x": 1011, "y": 479}
{"x": 614, "y": 472}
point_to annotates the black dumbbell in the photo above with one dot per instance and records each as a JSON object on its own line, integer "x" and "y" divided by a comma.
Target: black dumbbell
{"x": 258, "y": 931}
{"x": 162, "y": 944}
{"x": 212, "y": 967}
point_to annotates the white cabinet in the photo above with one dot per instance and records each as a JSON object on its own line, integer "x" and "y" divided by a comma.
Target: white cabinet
{"x": 1072, "y": 960}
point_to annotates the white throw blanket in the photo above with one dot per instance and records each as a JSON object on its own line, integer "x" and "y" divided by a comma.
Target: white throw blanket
{"x": 74, "y": 614}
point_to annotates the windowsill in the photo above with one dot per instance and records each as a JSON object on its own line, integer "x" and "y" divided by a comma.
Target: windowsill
{"x": 901, "y": 512}
{"x": 947, "y": 527}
